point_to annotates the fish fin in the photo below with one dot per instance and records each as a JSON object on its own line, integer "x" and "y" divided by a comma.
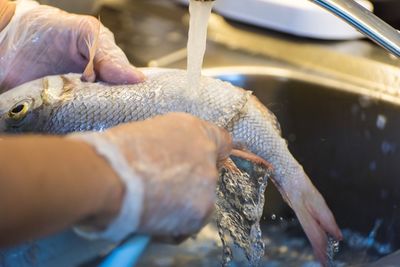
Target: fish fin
{"x": 67, "y": 89}
{"x": 253, "y": 158}
{"x": 89, "y": 74}
{"x": 314, "y": 216}
{"x": 229, "y": 165}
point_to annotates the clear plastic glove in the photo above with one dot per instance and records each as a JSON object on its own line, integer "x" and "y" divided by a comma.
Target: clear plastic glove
{"x": 41, "y": 40}
{"x": 169, "y": 167}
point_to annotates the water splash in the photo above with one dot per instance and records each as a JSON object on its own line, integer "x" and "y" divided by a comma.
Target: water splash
{"x": 358, "y": 241}
{"x": 240, "y": 202}
{"x": 332, "y": 250}
{"x": 285, "y": 246}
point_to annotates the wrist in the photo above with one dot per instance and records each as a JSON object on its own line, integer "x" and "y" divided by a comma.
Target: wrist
{"x": 111, "y": 200}
{"x": 7, "y": 10}
{"x": 104, "y": 202}
{"x": 119, "y": 218}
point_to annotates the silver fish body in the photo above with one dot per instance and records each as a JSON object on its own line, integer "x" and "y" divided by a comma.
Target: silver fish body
{"x": 80, "y": 106}
{"x": 64, "y": 104}
{"x": 97, "y": 106}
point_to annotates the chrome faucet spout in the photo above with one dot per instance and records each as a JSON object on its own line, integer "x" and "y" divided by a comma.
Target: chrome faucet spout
{"x": 365, "y": 22}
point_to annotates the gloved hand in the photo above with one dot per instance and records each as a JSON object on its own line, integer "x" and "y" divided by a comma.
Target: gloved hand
{"x": 169, "y": 167}
{"x": 41, "y": 40}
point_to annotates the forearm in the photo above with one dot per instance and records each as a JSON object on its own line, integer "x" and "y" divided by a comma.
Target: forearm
{"x": 7, "y": 9}
{"x": 50, "y": 183}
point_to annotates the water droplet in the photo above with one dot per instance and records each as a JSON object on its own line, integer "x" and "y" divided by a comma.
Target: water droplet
{"x": 372, "y": 166}
{"x": 381, "y": 122}
{"x": 388, "y": 148}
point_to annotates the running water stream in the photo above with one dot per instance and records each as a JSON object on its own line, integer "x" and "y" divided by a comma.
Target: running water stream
{"x": 240, "y": 193}
{"x": 200, "y": 12}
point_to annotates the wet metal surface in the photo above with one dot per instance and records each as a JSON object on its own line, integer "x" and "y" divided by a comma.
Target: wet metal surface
{"x": 338, "y": 105}
{"x": 340, "y": 121}
{"x": 151, "y": 29}
{"x": 347, "y": 142}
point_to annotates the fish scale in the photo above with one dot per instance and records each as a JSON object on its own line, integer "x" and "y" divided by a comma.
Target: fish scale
{"x": 78, "y": 106}
{"x": 97, "y": 106}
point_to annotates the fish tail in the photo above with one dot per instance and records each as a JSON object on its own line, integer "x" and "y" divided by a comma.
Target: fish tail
{"x": 293, "y": 183}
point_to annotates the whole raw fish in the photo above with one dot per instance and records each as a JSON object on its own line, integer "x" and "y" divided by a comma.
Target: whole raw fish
{"x": 64, "y": 104}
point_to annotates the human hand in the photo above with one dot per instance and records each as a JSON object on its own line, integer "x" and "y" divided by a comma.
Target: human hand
{"x": 41, "y": 40}
{"x": 169, "y": 166}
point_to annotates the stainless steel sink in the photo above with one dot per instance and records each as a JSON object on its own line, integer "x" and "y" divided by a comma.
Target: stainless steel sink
{"x": 339, "y": 108}
{"x": 347, "y": 138}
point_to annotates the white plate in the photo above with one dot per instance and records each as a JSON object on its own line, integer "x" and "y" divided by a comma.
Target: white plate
{"x": 297, "y": 17}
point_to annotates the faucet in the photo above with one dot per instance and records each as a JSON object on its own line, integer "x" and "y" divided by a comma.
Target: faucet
{"x": 362, "y": 20}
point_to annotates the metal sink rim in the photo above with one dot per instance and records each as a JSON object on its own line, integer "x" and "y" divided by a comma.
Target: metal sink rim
{"x": 299, "y": 75}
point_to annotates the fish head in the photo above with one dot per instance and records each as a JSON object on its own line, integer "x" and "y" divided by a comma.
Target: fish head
{"x": 27, "y": 107}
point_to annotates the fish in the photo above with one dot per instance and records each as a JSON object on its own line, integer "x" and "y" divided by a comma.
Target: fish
{"x": 62, "y": 104}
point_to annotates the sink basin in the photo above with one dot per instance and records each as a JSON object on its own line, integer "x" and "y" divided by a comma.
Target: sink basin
{"x": 347, "y": 138}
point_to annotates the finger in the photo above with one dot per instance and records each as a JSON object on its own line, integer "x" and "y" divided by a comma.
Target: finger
{"x": 221, "y": 138}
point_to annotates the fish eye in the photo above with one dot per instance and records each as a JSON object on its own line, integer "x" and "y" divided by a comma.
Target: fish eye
{"x": 19, "y": 111}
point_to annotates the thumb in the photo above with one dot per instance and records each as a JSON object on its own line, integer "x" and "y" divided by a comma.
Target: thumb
{"x": 109, "y": 61}
{"x": 221, "y": 138}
